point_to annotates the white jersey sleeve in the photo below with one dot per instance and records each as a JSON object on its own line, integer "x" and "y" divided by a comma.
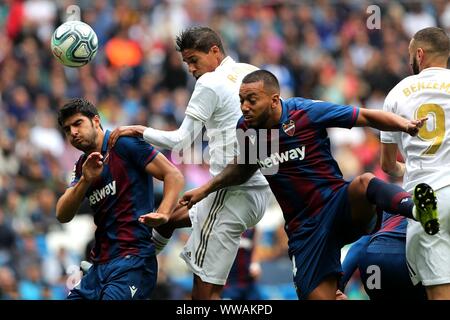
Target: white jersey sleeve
{"x": 390, "y": 105}
{"x": 203, "y": 102}
{"x": 181, "y": 138}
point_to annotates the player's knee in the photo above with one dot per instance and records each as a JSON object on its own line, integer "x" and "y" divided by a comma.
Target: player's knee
{"x": 364, "y": 180}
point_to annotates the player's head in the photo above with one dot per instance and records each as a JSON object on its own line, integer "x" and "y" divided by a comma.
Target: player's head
{"x": 80, "y": 122}
{"x": 201, "y": 49}
{"x": 260, "y": 98}
{"x": 429, "y": 47}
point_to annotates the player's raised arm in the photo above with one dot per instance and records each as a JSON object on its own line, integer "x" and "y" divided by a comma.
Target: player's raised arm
{"x": 388, "y": 121}
{"x": 184, "y": 136}
{"x": 233, "y": 174}
{"x": 163, "y": 170}
{"x": 69, "y": 203}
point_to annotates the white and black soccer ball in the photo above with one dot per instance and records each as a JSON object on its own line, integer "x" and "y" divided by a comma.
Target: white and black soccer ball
{"x": 74, "y": 43}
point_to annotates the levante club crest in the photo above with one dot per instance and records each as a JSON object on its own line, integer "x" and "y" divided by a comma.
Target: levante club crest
{"x": 289, "y": 128}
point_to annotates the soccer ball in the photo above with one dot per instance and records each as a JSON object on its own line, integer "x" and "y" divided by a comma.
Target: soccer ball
{"x": 74, "y": 43}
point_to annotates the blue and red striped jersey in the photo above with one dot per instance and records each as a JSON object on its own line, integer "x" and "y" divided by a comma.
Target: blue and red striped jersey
{"x": 302, "y": 173}
{"x": 392, "y": 225}
{"x": 122, "y": 193}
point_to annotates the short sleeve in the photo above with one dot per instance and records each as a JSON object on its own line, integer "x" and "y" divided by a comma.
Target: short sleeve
{"x": 136, "y": 150}
{"x": 389, "y": 136}
{"x": 327, "y": 114}
{"x": 77, "y": 171}
{"x": 203, "y": 103}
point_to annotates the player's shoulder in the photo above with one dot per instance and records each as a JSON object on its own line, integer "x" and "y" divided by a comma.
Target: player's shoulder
{"x": 405, "y": 81}
{"x": 125, "y": 140}
{"x": 127, "y": 143}
{"x": 395, "y": 92}
{"x": 215, "y": 78}
{"x": 209, "y": 81}
{"x": 298, "y": 103}
{"x": 245, "y": 66}
{"x": 221, "y": 75}
{"x": 205, "y": 79}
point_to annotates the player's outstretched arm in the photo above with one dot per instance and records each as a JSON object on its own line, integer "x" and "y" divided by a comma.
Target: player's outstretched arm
{"x": 180, "y": 138}
{"x": 233, "y": 174}
{"x": 163, "y": 170}
{"x": 69, "y": 203}
{"x": 388, "y": 121}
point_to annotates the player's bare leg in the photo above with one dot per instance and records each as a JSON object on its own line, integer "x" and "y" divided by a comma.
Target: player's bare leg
{"x": 206, "y": 291}
{"x": 326, "y": 290}
{"x": 439, "y": 292}
{"x": 363, "y": 212}
{"x": 366, "y": 191}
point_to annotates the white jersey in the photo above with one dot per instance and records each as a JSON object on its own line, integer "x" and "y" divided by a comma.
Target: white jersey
{"x": 215, "y": 102}
{"x": 427, "y": 156}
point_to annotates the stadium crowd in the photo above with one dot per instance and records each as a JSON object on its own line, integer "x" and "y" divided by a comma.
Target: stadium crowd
{"x": 317, "y": 49}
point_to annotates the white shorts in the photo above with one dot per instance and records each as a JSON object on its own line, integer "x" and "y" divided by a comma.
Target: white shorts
{"x": 429, "y": 256}
{"x": 217, "y": 224}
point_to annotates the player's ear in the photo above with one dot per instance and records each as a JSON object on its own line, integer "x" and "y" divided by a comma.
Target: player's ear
{"x": 420, "y": 53}
{"x": 275, "y": 99}
{"x": 214, "y": 49}
{"x": 96, "y": 121}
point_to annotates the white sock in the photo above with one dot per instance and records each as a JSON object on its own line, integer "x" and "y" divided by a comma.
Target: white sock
{"x": 85, "y": 266}
{"x": 159, "y": 241}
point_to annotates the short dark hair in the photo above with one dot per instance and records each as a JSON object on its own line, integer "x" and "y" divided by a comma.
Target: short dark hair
{"x": 198, "y": 38}
{"x": 74, "y": 106}
{"x": 436, "y": 40}
{"x": 268, "y": 78}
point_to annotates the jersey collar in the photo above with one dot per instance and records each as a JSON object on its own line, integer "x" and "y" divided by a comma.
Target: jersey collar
{"x": 432, "y": 69}
{"x": 226, "y": 60}
{"x": 284, "y": 113}
{"x": 105, "y": 141}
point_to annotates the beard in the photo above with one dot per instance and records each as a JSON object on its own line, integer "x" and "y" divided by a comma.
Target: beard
{"x": 260, "y": 122}
{"x": 415, "y": 66}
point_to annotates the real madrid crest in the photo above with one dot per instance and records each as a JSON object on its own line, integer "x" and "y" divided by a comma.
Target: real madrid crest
{"x": 289, "y": 127}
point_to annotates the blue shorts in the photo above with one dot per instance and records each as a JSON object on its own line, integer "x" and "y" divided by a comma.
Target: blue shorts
{"x": 123, "y": 278}
{"x": 388, "y": 254}
{"x": 317, "y": 245}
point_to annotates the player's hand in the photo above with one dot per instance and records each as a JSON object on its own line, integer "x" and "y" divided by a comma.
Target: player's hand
{"x": 413, "y": 126}
{"x": 132, "y": 131}
{"x": 93, "y": 166}
{"x": 154, "y": 219}
{"x": 193, "y": 196}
